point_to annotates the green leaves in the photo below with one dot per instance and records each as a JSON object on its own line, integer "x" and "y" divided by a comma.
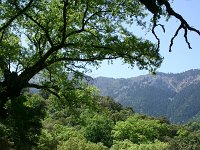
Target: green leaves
{"x": 56, "y": 38}
{"x": 128, "y": 145}
{"x": 139, "y": 130}
{"x": 94, "y": 29}
{"x": 82, "y": 144}
{"x": 98, "y": 129}
{"x": 24, "y": 121}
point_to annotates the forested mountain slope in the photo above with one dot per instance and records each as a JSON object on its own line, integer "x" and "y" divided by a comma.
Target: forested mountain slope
{"x": 175, "y": 96}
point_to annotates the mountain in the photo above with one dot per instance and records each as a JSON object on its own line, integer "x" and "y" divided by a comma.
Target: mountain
{"x": 174, "y": 96}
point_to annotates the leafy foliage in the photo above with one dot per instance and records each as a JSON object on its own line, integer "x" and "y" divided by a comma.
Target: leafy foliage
{"x": 86, "y": 127}
{"x": 57, "y": 135}
{"x": 23, "y": 126}
{"x": 58, "y": 37}
{"x": 98, "y": 129}
{"x": 80, "y": 144}
{"x": 184, "y": 142}
{"x": 96, "y": 125}
{"x": 56, "y": 40}
{"x": 139, "y": 130}
{"x": 128, "y": 145}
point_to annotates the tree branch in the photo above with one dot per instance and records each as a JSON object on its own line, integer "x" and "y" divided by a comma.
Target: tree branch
{"x": 92, "y": 59}
{"x": 85, "y": 21}
{"x": 15, "y": 16}
{"x": 82, "y": 27}
{"x": 84, "y": 16}
{"x": 175, "y": 35}
{"x": 153, "y": 30}
{"x": 28, "y": 73}
{"x": 66, "y": 3}
{"x": 2, "y": 34}
{"x": 184, "y": 25}
{"x": 43, "y": 87}
{"x": 42, "y": 27}
{"x": 155, "y": 8}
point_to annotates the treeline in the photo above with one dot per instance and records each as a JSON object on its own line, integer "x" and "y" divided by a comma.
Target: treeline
{"x": 84, "y": 121}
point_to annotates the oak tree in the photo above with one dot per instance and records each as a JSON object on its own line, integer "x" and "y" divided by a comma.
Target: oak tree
{"x": 55, "y": 37}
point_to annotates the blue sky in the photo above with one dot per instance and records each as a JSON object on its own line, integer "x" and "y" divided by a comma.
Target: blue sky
{"x": 179, "y": 60}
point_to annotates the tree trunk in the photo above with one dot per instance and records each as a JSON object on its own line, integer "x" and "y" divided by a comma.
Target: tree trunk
{"x": 3, "y": 100}
{"x": 9, "y": 89}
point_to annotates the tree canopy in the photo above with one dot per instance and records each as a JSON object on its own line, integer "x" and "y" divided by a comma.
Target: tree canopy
{"x": 53, "y": 38}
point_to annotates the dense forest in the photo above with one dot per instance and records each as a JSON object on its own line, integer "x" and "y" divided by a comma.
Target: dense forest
{"x": 89, "y": 121}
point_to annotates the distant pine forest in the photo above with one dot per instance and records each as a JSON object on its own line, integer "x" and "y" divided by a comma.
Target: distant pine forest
{"x": 174, "y": 96}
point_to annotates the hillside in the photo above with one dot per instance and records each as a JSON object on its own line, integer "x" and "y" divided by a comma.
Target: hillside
{"x": 175, "y": 96}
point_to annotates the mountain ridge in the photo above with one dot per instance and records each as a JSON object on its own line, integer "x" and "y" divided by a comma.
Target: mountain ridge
{"x": 157, "y": 95}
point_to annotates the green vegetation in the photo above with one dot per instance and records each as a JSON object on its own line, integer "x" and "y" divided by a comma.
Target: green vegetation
{"x": 56, "y": 38}
{"x": 53, "y": 42}
{"x": 101, "y": 126}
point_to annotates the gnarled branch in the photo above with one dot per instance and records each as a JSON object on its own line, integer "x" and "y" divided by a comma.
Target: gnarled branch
{"x": 154, "y": 6}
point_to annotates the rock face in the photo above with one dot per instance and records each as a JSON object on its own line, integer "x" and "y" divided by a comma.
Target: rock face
{"x": 175, "y": 96}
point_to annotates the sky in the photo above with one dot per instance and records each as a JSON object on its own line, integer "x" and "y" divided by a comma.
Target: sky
{"x": 179, "y": 60}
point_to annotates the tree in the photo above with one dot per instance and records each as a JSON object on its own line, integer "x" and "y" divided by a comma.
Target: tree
{"x": 98, "y": 129}
{"x": 22, "y": 129}
{"x": 140, "y": 130}
{"x": 185, "y": 140}
{"x": 128, "y": 145}
{"x": 55, "y": 37}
